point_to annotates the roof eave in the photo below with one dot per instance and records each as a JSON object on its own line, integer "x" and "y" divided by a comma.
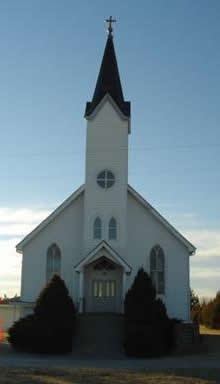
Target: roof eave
{"x": 89, "y": 257}
{"x": 107, "y": 97}
{"x": 19, "y": 247}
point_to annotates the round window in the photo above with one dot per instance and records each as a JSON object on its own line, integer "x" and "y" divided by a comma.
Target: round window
{"x": 105, "y": 179}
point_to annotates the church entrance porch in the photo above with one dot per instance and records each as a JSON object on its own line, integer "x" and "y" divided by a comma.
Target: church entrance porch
{"x": 103, "y": 288}
{"x": 102, "y": 280}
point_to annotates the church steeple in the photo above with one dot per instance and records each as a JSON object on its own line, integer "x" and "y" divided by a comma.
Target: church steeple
{"x": 108, "y": 81}
{"x": 107, "y": 132}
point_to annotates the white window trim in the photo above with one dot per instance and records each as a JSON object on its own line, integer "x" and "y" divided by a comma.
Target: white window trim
{"x": 97, "y": 227}
{"x": 106, "y": 179}
{"x": 157, "y": 271}
{"x": 50, "y": 273}
{"x": 113, "y": 227}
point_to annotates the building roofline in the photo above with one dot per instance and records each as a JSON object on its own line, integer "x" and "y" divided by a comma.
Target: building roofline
{"x": 155, "y": 213}
{"x": 109, "y": 98}
{"x": 103, "y": 244}
{"x": 51, "y": 217}
{"x": 77, "y": 193}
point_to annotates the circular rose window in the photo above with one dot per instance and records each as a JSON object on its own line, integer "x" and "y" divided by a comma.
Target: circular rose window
{"x": 105, "y": 179}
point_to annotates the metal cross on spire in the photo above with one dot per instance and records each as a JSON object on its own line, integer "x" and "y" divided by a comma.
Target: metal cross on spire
{"x": 110, "y": 29}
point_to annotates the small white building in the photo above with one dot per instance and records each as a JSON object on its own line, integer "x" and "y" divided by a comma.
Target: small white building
{"x": 100, "y": 236}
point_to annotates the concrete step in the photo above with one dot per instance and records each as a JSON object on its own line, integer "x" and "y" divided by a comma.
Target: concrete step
{"x": 99, "y": 336}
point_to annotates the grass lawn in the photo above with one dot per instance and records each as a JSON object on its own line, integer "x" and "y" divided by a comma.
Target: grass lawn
{"x": 103, "y": 376}
{"x": 208, "y": 331}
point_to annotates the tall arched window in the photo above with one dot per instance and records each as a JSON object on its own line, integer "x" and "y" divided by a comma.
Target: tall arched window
{"x": 53, "y": 261}
{"x": 157, "y": 264}
{"x": 97, "y": 228}
{"x": 112, "y": 229}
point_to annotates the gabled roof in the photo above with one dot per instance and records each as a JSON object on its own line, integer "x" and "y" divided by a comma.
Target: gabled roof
{"x": 163, "y": 221}
{"x": 112, "y": 255}
{"x": 108, "y": 98}
{"x": 78, "y": 192}
{"x": 108, "y": 82}
{"x": 51, "y": 217}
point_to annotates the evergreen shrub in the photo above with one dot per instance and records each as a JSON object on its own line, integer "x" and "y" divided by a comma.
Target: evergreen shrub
{"x": 50, "y": 328}
{"x": 148, "y": 330}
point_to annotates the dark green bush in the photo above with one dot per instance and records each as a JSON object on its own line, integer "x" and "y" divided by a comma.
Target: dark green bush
{"x": 50, "y": 328}
{"x": 145, "y": 340}
{"x": 54, "y": 304}
{"x": 148, "y": 330}
{"x": 21, "y": 333}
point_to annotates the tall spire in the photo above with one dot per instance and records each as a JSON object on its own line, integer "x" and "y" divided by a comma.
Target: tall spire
{"x": 108, "y": 81}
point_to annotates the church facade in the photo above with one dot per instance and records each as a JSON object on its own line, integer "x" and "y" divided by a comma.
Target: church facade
{"x": 105, "y": 231}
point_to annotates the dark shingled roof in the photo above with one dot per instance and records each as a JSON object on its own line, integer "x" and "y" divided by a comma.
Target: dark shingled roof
{"x": 108, "y": 82}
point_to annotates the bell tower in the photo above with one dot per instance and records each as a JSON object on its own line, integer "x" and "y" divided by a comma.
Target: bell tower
{"x": 106, "y": 174}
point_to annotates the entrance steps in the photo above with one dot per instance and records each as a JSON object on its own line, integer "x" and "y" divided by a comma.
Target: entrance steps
{"x": 98, "y": 335}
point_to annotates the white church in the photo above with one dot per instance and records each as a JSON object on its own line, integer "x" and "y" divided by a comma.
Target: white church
{"x": 99, "y": 237}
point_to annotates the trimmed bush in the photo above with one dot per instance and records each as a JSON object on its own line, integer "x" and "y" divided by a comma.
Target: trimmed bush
{"x": 55, "y": 305}
{"x": 50, "y": 328}
{"x": 148, "y": 330}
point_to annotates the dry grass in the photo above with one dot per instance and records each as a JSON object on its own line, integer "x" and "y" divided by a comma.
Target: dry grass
{"x": 103, "y": 376}
{"x": 208, "y": 331}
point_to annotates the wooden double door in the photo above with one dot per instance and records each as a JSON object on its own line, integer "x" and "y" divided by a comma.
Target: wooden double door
{"x": 104, "y": 293}
{"x": 103, "y": 285}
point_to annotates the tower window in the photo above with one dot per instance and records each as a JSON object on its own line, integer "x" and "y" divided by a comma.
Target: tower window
{"x": 106, "y": 179}
{"x": 112, "y": 229}
{"x": 97, "y": 228}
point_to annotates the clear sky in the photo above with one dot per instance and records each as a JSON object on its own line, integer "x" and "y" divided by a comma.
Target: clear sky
{"x": 169, "y": 61}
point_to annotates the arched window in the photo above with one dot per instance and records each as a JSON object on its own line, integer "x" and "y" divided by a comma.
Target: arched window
{"x": 97, "y": 228}
{"x": 157, "y": 264}
{"x": 53, "y": 261}
{"x": 112, "y": 229}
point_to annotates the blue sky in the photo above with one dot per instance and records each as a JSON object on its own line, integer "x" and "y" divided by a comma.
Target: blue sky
{"x": 169, "y": 60}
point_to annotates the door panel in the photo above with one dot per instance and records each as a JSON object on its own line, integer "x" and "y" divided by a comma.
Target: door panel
{"x": 104, "y": 295}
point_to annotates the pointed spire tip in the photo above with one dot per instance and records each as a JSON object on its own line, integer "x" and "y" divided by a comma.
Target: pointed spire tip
{"x": 109, "y": 27}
